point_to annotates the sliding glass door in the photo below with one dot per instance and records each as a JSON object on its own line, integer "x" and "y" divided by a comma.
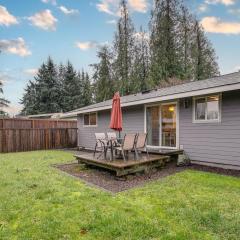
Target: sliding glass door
{"x": 153, "y": 126}
{"x": 161, "y": 125}
{"x": 169, "y": 125}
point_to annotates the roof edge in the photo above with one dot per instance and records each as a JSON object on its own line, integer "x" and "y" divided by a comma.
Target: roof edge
{"x": 225, "y": 88}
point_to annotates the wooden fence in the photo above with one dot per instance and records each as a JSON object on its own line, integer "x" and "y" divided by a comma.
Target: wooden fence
{"x": 18, "y": 123}
{"x": 18, "y": 135}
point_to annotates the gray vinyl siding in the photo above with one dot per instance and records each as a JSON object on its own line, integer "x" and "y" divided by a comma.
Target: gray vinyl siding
{"x": 213, "y": 142}
{"x": 133, "y": 121}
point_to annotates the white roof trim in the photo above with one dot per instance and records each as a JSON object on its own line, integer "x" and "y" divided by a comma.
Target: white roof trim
{"x": 219, "y": 89}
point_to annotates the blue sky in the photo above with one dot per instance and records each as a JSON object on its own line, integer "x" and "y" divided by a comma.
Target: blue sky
{"x": 31, "y": 30}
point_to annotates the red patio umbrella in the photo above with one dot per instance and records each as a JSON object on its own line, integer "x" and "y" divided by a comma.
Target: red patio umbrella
{"x": 116, "y": 114}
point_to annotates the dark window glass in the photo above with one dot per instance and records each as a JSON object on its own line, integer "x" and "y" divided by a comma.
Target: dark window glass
{"x": 86, "y": 119}
{"x": 93, "y": 119}
{"x": 213, "y": 108}
{"x": 200, "y": 109}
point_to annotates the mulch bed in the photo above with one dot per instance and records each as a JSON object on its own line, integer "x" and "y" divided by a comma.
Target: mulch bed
{"x": 108, "y": 181}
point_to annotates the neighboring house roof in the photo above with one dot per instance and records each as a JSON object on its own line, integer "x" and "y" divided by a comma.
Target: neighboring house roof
{"x": 222, "y": 83}
{"x": 47, "y": 116}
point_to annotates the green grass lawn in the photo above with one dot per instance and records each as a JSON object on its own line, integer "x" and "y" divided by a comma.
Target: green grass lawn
{"x": 40, "y": 202}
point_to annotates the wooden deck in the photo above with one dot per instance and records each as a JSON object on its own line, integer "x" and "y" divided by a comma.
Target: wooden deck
{"x": 122, "y": 167}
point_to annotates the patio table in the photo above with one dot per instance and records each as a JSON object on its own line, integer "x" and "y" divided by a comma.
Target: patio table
{"x": 111, "y": 146}
{"x": 120, "y": 139}
{"x": 110, "y": 143}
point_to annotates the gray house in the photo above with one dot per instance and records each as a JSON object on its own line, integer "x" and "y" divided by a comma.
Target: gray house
{"x": 202, "y": 118}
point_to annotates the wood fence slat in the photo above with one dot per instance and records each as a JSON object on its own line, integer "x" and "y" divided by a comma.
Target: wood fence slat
{"x": 16, "y": 123}
{"x": 18, "y": 135}
{"x": 17, "y": 140}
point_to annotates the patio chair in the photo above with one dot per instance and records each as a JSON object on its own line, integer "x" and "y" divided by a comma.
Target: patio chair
{"x": 112, "y": 136}
{"x": 128, "y": 144}
{"x": 140, "y": 144}
{"x": 101, "y": 143}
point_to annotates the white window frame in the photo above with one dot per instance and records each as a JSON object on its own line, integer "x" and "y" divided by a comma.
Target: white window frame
{"x": 89, "y": 119}
{"x": 207, "y": 120}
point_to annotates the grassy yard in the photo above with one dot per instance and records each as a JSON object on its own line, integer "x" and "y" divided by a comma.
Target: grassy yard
{"x": 40, "y": 202}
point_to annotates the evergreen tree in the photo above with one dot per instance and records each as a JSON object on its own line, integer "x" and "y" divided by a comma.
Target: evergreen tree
{"x": 61, "y": 75}
{"x": 124, "y": 49}
{"x": 87, "y": 89}
{"x": 46, "y": 91}
{"x": 103, "y": 80}
{"x": 164, "y": 40}
{"x": 141, "y": 63}
{"x": 178, "y": 45}
{"x": 29, "y": 99}
{"x": 48, "y": 88}
{"x": 3, "y": 102}
{"x": 71, "y": 88}
{"x": 186, "y": 41}
{"x": 203, "y": 54}
{"x": 178, "y": 50}
{"x": 56, "y": 89}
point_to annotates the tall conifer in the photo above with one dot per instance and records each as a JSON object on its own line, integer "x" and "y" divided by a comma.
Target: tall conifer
{"x": 103, "y": 79}
{"x": 3, "y": 102}
{"x": 164, "y": 41}
{"x": 203, "y": 54}
{"x": 71, "y": 93}
{"x": 124, "y": 49}
{"x": 140, "y": 76}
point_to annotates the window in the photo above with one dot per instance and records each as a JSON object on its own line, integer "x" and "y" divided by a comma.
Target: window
{"x": 200, "y": 109}
{"x": 90, "y": 119}
{"x": 207, "y": 109}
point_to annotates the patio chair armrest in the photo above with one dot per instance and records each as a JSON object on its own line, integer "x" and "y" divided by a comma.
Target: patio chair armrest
{"x": 116, "y": 143}
{"x": 102, "y": 143}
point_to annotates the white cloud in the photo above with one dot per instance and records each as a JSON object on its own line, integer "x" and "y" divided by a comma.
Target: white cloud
{"x": 237, "y": 68}
{"x": 112, "y": 6}
{"x": 68, "y": 11}
{"x": 235, "y": 11}
{"x": 224, "y": 2}
{"x": 111, "y": 21}
{"x": 105, "y": 5}
{"x": 53, "y": 2}
{"x": 89, "y": 45}
{"x": 203, "y": 7}
{"x": 6, "y": 18}
{"x": 86, "y": 45}
{"x": 31, "y": 71}
{"x": 44, "y": 20}
{"x": 138, "y": 5}
{"x": 4, "y": 77}
{"x": 15, "y": 46}
{"x": 216, "y": 25}
{"x": 13, "y": 110}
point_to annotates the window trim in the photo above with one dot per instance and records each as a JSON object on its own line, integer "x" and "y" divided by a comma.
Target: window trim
{"x": 89, "y": 119}
{"x": 207, "y": 120}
